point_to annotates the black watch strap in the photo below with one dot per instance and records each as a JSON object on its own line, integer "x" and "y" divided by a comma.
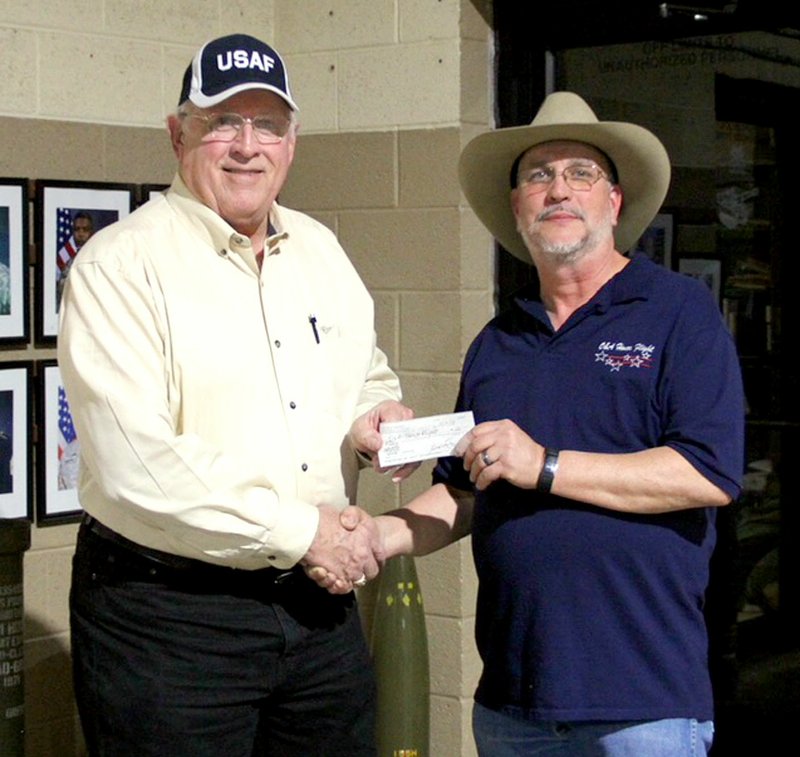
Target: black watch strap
{"x": 545, "y": 482}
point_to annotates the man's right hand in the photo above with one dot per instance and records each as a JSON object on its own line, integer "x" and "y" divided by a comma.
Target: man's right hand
{"x": 346, "y": 549}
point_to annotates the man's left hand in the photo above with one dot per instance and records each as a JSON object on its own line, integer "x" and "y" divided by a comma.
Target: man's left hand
{"x": 501, "y": 449}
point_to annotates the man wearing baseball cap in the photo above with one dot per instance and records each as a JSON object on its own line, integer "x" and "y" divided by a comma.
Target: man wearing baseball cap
{"x": 610, "y": 415}
{"x": 218, "y": 351}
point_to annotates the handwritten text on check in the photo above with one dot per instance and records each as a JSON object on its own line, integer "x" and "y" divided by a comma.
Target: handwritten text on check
{"x": 423, "y": 438}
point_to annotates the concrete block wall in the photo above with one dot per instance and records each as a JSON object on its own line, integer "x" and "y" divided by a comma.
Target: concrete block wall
{"x": 389, "y": 91}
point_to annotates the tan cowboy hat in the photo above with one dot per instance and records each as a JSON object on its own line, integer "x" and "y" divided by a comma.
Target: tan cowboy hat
{"x": 641, "y": 162}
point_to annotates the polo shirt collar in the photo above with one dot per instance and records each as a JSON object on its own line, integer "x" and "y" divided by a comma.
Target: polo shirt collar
{"x": 633, "y": 282}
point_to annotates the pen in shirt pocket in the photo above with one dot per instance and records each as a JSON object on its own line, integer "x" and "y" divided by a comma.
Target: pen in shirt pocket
{"x": 312, "y": 319}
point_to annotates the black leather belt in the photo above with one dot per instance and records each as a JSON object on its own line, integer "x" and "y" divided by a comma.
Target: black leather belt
{"x": 137, "y": 562}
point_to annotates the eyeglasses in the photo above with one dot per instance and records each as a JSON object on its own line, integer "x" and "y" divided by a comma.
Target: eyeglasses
{"x": 225, "y": 127}
{"x": 580, "y": 177}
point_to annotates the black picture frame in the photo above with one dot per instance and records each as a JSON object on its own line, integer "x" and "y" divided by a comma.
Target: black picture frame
{"x": 57, "y": 450}
{"x": 59, "y": 206}
{"x": 707, "y": 270}
{"x": 658, "y": 240}
{"x": 148, "y": 191}
{"x": 16, "y": 440}
{"x": 14, "y": 262}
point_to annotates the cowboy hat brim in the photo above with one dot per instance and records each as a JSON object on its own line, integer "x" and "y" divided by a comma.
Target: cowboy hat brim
{"x": 641, "y": 162}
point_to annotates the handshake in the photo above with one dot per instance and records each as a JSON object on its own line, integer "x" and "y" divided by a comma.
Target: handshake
{"x": 348, "y": 550}
{"x": 350, "y": 547}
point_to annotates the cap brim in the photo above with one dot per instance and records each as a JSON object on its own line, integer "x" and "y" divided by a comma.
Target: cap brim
{"x": 206, "y": 101}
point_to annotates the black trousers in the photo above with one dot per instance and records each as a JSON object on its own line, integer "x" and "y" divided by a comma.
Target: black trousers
{"x": 178, "y": 658}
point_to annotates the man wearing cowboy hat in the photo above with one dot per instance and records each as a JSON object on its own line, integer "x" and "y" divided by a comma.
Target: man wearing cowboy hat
{"x": 610, "y": 413}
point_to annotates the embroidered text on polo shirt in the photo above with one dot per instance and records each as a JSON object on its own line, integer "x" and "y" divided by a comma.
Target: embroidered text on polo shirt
{"x": 617, "y": 355}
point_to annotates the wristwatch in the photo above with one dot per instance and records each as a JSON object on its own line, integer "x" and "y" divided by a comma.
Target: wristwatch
{"x": 545, "y": 482}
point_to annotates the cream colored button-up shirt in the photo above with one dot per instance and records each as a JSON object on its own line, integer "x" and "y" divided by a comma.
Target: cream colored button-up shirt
{"x": 212, "y": 401}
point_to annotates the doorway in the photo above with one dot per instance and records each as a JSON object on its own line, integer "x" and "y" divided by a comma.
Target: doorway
{"x": 720, "y": 95}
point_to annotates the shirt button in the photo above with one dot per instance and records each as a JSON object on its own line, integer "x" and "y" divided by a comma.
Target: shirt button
{"x": 292, "y": 405}
{"x": 304, "y": 467}
{"x": 277, "y": 342}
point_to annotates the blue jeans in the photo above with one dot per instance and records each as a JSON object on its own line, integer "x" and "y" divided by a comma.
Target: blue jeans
{"x": 501, "y": 735}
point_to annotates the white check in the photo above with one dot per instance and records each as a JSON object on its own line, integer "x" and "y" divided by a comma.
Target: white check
{"x": 422, "y": 438}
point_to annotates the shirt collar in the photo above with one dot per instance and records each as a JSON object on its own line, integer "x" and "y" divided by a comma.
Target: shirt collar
{"x": 633, "y": 282}
{"x": 275, "y": 232}
{"x": 214, "y": 229}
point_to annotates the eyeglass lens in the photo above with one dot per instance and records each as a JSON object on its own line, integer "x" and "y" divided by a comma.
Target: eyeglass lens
{"x": 226, "y": 126}
{"x": 579, "y": 177}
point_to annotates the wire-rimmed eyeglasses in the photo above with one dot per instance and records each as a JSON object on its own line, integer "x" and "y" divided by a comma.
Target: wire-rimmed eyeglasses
{"x": 225, "y": 127}
{"x": 580, "y": 176}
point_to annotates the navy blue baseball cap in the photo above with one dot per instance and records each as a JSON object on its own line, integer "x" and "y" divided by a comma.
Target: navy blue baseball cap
{"x": 231, "y": 64}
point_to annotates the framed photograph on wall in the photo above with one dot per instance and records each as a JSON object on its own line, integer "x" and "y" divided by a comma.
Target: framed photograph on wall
{"x": 148, "y": 191}
{"x": 67, "y": 215}
{"x": 658, "y": 240}
{"x": 16, "y": 471}
{"x": 707, "y": 270}
{"x": 14, "y": 290}
{"x": 57, "y": 450}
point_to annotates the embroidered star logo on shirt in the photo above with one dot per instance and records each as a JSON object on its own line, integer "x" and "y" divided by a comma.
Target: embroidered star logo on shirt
{"x": 618, "y": 354}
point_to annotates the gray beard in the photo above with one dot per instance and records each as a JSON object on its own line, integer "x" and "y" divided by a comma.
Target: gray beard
{"x": 567, "y": 252}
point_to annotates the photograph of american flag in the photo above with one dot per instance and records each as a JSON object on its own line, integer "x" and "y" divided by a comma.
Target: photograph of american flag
{"x": 66, "y": 431}
{"x": 65, "y": 243}
{"x": 68, "y": 447}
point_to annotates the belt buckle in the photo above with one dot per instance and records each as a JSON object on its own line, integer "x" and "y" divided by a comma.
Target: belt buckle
{"x": 283, "y": 577}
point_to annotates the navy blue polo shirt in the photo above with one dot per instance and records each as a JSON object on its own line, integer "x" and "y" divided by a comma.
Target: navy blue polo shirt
{"x": 584, "y": 613}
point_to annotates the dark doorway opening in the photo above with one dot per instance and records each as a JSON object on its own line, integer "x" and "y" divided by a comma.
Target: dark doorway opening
{"x": 754, "y": 599}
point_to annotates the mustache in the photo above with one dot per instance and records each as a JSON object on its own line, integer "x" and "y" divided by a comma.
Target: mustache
{"x": 545, "y": 214}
